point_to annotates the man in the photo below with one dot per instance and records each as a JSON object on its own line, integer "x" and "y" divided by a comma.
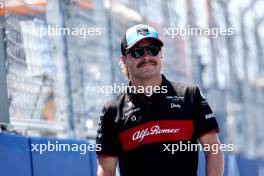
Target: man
{"x": 140, "y": 129}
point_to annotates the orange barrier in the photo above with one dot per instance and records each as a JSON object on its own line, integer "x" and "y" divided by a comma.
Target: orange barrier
{"x": 19, "y": 7}
{"x": 84, "y": 4}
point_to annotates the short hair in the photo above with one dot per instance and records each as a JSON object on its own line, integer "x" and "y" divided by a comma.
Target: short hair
{"x": 124, "y": 69}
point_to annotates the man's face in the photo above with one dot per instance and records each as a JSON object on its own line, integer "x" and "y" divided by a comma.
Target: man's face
{"x": 146, "y": 66}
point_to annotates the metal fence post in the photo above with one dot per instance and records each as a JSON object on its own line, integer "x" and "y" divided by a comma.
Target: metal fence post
{"x": 4, "y": 107}
{"x": 65, "y": 15}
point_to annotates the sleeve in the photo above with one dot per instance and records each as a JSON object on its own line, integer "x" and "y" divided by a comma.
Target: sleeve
{"x": 106, "y": 136}
{"x": 204, "y": 120}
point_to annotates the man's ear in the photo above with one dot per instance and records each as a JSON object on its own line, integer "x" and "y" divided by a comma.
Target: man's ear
{"x": 123, "y": 59}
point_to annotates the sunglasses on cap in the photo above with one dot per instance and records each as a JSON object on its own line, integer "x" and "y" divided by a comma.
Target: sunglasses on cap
{"x": 139, "y": 51}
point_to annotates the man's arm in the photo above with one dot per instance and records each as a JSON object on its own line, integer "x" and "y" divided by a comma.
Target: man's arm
{"x": 214, "y": 159}
{"x": 106, "y": 166}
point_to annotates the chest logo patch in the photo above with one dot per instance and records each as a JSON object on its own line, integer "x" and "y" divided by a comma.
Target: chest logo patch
{"x": 156, "y": 131}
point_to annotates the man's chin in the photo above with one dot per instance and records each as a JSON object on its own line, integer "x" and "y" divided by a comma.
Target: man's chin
{"x": 147, "y": 65}
{"x": 147, "y": 68}
{"x": 148, "y": 74}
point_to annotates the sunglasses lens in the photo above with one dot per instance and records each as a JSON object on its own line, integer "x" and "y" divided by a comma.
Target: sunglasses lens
{"x": 153, "y": 50}
{"x": 137, "y": 52}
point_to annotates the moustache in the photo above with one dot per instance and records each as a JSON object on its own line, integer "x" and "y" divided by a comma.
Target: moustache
{"x": 153, "y": 62}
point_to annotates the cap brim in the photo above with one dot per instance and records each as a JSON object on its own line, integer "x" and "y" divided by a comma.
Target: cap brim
{"x": 136, "y": 42}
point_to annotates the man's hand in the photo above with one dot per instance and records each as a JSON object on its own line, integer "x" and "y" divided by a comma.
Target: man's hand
{"x": 214, "y": 159}
{"x": 106, "y": 166}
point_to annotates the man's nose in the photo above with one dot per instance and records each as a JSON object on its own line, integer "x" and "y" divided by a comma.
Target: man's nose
{"x": 146, "y": 55}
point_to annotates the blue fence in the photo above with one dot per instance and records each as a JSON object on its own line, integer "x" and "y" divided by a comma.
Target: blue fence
{"x": 17, "y": 159}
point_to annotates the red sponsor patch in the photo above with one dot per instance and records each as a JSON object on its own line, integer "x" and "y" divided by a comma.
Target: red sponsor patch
{"x": 156, "y": 131}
